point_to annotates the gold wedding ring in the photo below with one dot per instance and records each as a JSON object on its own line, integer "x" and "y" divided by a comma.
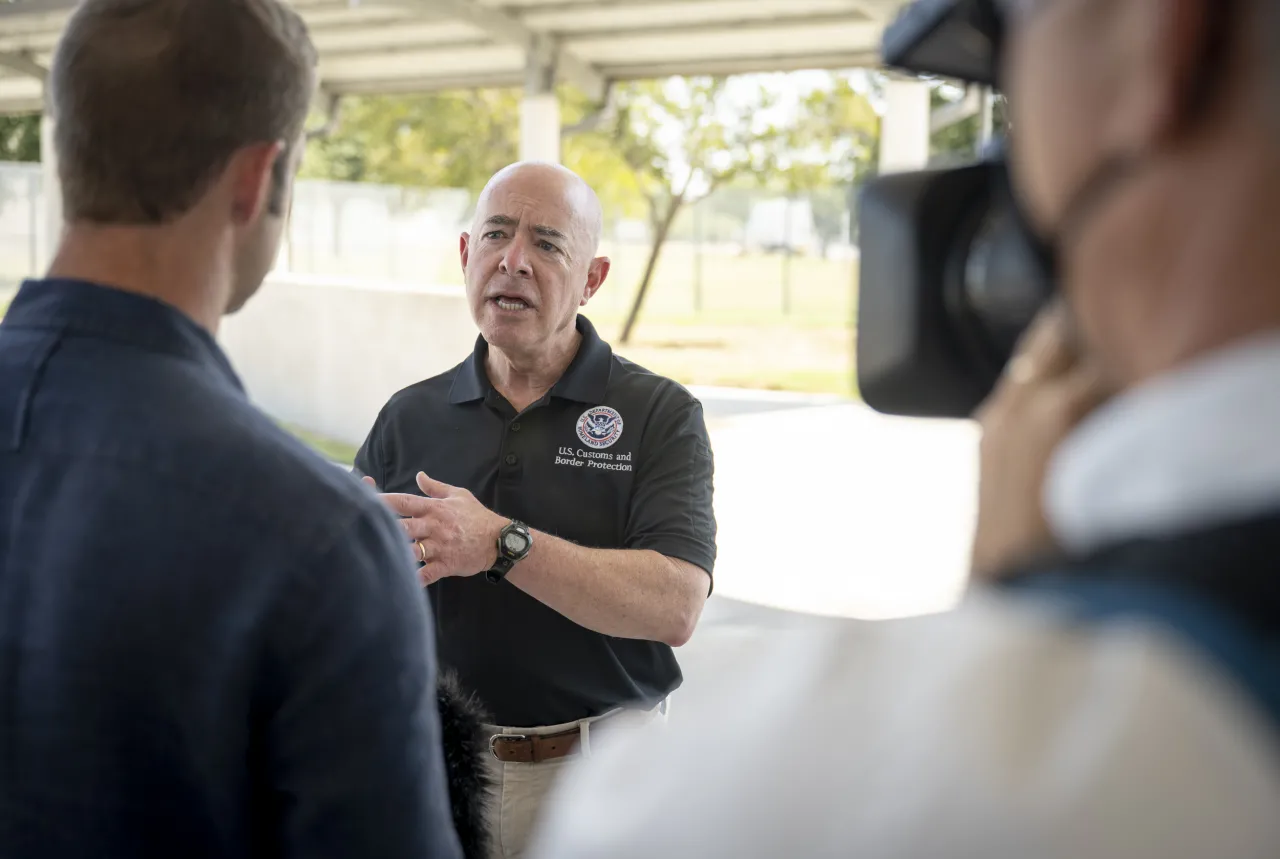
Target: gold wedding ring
{"x": 421, "y": 551}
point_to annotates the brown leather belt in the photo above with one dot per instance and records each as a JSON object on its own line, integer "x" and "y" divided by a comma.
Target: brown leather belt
{"x": 533, "y": 748}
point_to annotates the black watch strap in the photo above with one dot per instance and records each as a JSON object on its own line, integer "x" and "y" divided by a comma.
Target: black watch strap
{"x": 514, "y": 544}
{"x": 499, "y": 570}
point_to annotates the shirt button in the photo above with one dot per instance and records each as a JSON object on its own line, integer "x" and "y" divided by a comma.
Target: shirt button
{"x": 515, "y": 427}
{"x": 512, "y": 459}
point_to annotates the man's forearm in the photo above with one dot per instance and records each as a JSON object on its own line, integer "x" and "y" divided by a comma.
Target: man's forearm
{"x": 626, "y": 593}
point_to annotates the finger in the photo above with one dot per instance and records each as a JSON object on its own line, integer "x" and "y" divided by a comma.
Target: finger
{"x": 406, "y": 505}
{"x": 369, "y": 481}
{"x": 431, "y": 572}
{"x": 421, "y": 551}
{"x": 1046, "y": 350}
{"x": 434, "y": 488}
{"x": 1024, "y": 366}
{"x": 416, "y": 528}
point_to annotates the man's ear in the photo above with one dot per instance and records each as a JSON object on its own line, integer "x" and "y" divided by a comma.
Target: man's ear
{"x": 597, "y": 271}
{"x": 250, "y": 174}
{"x": 464, "y": 250}
{"x": 1172, "y": 70}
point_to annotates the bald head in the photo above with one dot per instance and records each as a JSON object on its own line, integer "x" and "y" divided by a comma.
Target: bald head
{"x": 530, "y": 261}
{"x": 555, "y": 186}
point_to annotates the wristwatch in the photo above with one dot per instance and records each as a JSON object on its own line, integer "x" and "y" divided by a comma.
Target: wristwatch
{"x": 514, "y": 544}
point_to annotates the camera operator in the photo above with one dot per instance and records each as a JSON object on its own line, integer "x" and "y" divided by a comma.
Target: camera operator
{"x": 1116, "y": 693}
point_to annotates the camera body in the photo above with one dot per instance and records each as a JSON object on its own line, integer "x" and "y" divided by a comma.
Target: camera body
{"x": 947, "y": 289}
{"x": 948, "y": 282}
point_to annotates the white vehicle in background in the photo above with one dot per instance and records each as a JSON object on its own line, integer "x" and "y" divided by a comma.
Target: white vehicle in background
{"x": 781, "y": 225}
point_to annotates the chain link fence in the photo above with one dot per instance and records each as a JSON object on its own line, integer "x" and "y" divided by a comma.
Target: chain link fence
{"x": 739, "y": 253}
{"x": 23, "y": 243}
{"x": 336, "y": 229}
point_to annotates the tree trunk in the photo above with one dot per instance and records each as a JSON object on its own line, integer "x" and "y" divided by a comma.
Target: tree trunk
{"x": 659, "y": 238}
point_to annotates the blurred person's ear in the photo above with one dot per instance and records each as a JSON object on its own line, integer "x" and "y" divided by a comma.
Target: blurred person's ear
{"x": 250, "y": 176}
{"x": 1172, "y": 62}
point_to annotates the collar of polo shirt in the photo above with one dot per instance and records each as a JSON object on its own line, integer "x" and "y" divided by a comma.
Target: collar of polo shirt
{"x": 585, "y": 381}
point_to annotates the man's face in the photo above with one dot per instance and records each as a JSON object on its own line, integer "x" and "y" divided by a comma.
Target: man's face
{"x": 528, "y": 262}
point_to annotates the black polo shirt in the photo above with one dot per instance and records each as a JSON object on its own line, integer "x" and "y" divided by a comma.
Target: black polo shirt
{"x": 613, "y": 457}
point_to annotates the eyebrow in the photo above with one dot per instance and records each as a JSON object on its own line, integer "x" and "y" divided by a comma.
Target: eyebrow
{"x": 552, "y": 232}
{"x": 540, "y": 229}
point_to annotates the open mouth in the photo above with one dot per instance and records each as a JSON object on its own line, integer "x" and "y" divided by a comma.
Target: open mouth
{"x": 509, "y": 303}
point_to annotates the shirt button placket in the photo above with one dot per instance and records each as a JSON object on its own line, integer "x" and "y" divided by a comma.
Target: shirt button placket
{"x": 511, "y": 455}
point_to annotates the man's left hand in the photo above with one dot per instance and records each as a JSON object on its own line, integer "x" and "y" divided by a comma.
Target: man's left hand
{"x": 1048, "y": 388}
{"x": 455, "y": 535}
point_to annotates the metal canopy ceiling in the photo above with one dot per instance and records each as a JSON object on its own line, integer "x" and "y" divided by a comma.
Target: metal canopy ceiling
{"x": 388, "y": 46}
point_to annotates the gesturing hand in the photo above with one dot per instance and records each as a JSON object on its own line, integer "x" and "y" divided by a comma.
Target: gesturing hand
{"x": 1042, "y": 396}
{"x": 453, "y": 533}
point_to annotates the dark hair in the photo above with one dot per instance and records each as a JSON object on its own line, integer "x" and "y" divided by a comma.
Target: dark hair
{"x": 151, "y": 98}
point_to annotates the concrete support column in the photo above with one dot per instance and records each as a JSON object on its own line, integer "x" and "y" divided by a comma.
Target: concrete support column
{"x": 540, "y": 113}
{"x": 986, "y": 128}
{"x": 50, "y": 225}
{"x": 905, "y": 129}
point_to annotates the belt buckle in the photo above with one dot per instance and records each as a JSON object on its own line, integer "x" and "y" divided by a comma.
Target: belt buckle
{"x": 494, "y": 739}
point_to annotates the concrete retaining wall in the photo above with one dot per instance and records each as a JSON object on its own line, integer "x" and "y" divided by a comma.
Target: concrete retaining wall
{"x": 325, "y": 355}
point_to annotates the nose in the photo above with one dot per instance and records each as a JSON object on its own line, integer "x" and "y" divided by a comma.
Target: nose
{"x": 515, "y": 259}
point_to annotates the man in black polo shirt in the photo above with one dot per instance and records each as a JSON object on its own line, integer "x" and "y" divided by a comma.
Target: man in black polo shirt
{"x": 558, "y": 496}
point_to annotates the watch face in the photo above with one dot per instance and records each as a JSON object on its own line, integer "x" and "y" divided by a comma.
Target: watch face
{"x": 515, "y": 543}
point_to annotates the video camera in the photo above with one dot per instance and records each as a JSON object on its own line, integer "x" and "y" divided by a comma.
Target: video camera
{"x": 946, "y": 286}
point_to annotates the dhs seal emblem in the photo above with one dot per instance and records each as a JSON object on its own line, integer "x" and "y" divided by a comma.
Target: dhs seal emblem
{"x": 600, "y": 427}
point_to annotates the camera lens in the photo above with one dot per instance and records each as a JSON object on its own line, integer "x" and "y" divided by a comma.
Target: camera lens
{"x": 1001, "y": 289}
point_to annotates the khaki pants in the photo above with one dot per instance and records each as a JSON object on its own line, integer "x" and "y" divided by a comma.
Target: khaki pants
{"x": 521, "y": 789}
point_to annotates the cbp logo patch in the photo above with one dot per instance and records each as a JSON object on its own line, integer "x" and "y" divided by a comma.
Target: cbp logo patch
{"x": 600, "y": 427}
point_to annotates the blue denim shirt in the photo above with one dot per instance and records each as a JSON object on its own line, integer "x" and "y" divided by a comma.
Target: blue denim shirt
{"x": 212, "y": 643}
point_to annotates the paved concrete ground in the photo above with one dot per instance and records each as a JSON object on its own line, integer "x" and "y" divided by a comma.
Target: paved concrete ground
{"x": 829, "y": 511}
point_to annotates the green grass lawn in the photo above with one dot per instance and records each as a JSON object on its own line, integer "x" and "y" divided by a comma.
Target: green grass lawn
{"x": 742, "y": 337}
{"x": 335, "y": 451}
{"x": 734, "y": 289}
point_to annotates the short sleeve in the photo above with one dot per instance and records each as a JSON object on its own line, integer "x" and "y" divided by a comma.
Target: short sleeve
{"x": 671, "y": 504}
{"x": 371, "y": 459}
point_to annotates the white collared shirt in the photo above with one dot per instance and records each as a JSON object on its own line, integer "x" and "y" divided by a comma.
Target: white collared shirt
{"x": 994, "y": 730}
{"x": 1197, "y": 447}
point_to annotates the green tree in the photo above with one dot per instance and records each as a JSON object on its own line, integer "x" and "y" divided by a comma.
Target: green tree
{"x": 20, "y": 137}
{"x": 841, "y": 127}
{"x": 443, "y": 140}
{"x": 456, "y": 140}
{"x": 682, "y": 139}
{"x": 833, "y": 146}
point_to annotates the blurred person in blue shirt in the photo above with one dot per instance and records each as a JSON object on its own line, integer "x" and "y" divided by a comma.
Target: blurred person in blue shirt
{"x": 212, "y": 643}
